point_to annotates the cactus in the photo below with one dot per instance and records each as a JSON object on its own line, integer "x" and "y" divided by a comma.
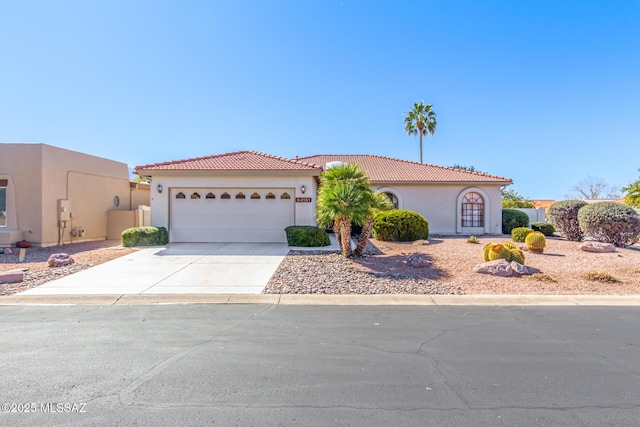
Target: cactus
{"x": 519, "y": 234}
{"x": 485, "y": 251}
{"x": 499, "y": 252}
{"x": 517, "y": 256}
{"x": 509, "y": 245}
{"x": 536, "y": 242}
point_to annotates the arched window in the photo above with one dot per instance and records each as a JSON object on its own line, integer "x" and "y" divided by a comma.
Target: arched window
{"x": 180, "y": 195}
{"x": 472, "y": 210}
{"x": 255, "y": 196}
{"x": 210, "y": 196}
{"x": 392, "y": 198}
{"x": 285, "y": 196}
{"x": 195, "y": 196}
{"x": 240, "y": 195}
{"x": 225, "y": 195}
{"x": 270, "y": 196}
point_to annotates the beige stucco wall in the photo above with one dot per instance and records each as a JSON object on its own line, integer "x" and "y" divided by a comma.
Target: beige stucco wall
{"x": 43, "y": 174}
{"x": 304, "y": 212}
{"x": 140, "y": 195}
{"x": 439, "y": 204}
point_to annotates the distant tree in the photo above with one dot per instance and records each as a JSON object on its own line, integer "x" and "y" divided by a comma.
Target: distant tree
{"x": 632, "y": 193}
{"x": 142, "y": 179}
{"x": 512, "y": 199}
{"x": 464, "y": 168}
{"x": 593, "y": 188}
{"x": 421, "y": 121}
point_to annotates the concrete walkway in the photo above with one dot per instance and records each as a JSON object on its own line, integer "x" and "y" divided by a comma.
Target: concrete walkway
{"x": 178, "y": 268}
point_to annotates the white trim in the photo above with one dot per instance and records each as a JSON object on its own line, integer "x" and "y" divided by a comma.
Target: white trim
{"x": 395, "y": 193}
{"x": 487, "y": 208}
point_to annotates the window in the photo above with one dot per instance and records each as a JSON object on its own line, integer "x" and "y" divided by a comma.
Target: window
{"x": 225, "y": 195}
{"x": 255, "y": 196}
{"x": 195, "y": 196}
{"x": 180, "y": 195}
{"x": 270, "y": 196}
{"x": 3, "y": 202}
{"x": 392, "y": 198}
{"x": 472, "y": 210}
{"x": 210, "y": 196}
{"x": 240, "y": 195}
{"x": 285, "y": 196}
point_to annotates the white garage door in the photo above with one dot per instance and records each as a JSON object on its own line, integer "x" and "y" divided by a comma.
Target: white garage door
{"x": 230, "y": 214}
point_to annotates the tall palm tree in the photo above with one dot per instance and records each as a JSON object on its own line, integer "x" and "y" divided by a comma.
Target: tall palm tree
{"x": 420, "y": 120}
{"x": 344, "y": 197}
{"x": 377, "y": 201}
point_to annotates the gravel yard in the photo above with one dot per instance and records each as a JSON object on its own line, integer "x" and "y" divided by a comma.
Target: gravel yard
{"x": 450, "y": 270}
{"x": 384, "y": 270}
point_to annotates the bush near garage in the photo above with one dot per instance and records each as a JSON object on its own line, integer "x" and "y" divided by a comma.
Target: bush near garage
{"x": 512, "y": 218}
{"x": 610, "y": 222}
{"x": 564, "y": 217}
{"x": 543, "y": 227}
{"x": 145, "y": 236}
{"x": 307, "y": 236}
{"x": 400, "y": 225}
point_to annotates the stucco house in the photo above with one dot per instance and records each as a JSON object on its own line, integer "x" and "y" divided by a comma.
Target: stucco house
{"x": 51, "y": 196}
{"x": 248, "y": 196}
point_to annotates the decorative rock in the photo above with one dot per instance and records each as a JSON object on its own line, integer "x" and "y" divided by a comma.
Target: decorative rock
{"x": 23, "y": 244}
{"x": 8, "y": 251}
{"x": 417, "y": 261}
{"x": 499, "y": 267}
{"x": 59, "y": 260}
{"x": 12, "y": 276}
{"x": 504, "y": 268}
{"x": 597, "y": 247}
{"x": 420, "y": 242}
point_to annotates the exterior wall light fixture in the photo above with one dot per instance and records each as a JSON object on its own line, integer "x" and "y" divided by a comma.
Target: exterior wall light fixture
{"x": 159, "y": 188}
{"x": 303, "y": 189}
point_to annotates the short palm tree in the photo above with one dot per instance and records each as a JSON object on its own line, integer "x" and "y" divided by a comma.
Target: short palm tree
{"x": 344, "y": 197}
{"x": 377, "y": 202}
{"x": 420, "y": 120}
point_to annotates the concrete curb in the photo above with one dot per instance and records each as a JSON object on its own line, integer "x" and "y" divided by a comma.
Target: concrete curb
{"x": 318, "y": 299}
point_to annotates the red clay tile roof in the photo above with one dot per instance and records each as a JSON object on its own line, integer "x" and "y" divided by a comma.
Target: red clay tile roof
{"x": 381, "y": 169}
{"x": 239, "y": 160}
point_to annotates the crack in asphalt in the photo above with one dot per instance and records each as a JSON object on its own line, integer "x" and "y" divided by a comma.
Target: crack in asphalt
{"x": 125, "y": 393}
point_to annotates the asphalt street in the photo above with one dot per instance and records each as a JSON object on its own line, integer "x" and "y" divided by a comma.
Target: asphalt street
{"x": 266, "y": 365}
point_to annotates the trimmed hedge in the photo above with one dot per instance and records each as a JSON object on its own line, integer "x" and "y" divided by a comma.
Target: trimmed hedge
{"x": 307, "y": 236}
{"x": 564, "y": 217}
{"x": 399, "y": 225}
{"x": 543, "y": 227}
{"x": 512, "y": 218}
{"x": 519, "y": 234}
{"x": 610, "y": 222}
{"x": 145, "y": 236}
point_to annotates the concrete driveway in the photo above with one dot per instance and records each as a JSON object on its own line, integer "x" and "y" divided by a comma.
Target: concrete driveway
{"x": 194, "y": 268}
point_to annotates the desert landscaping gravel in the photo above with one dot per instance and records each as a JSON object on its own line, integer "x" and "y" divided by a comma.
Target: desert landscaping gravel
{"x": 384, "y": 270}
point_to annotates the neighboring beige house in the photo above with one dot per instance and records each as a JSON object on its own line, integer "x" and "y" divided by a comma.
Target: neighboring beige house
{"x": 248, "y": 196}
{"x": 51, "y": 196}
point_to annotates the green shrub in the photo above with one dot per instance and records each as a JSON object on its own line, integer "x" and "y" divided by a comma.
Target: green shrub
{"x": 512, "y": 218}
{"x": 519, "y": 234}
{"x": 473, "y": 239}
{"x": 610, "y": 222}
{"x": 564, "y": 217}
{"x": 543, "y": 227}
{"x": 400, "y": 225}
{"x": 145, "y": 236}
{"x": 307, "y": 236}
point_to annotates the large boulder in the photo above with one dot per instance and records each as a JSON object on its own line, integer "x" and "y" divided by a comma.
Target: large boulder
{"x": 504, "y": 268}
{"x": 599, "y": 247}
{"x": 59, "y": 260}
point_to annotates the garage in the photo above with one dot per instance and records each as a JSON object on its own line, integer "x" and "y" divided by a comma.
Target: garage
{"x": 230, "y": 214}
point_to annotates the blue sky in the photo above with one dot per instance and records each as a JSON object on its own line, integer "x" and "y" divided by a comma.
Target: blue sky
{"x": 543, "y": 92}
